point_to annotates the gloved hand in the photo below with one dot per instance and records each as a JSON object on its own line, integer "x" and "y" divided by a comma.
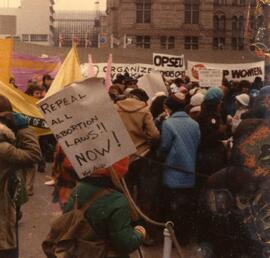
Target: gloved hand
{"x": 19, "y": 120}
{"x": 141, "y": 230}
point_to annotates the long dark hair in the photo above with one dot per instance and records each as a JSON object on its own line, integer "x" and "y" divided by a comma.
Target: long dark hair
{"x": 157, "y": 106}
{"x": 210, "y": 106}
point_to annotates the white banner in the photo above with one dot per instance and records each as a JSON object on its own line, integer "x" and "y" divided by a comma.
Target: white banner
{"x": 134, "y": 70}
{"x": 87, "y": 126}
{"x": 210, "y": 77}
{"x": 235, "y": 72}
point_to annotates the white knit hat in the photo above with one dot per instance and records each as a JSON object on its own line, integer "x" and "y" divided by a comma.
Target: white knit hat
{"x": 243, "y": 99}
{"x": 197, "y": 99}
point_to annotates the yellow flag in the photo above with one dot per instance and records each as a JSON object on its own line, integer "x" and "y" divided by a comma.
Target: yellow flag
{"x": 69, "y": 72}
{"x": 25, "y": 105}
{"x": 6, "y": 46}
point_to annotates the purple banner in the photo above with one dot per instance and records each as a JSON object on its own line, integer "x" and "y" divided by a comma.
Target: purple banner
{"x": 26, "y": 67}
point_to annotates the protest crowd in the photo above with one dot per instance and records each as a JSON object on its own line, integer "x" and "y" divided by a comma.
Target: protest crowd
{"x": 202, "y": 161}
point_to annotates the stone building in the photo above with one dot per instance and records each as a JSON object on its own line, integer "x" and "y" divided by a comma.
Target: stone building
{"x": 183, "y": 24}
{"x": 31, "y": 22}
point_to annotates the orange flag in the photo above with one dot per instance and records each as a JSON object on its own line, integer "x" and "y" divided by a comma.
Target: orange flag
{"x": 6, "y": 46}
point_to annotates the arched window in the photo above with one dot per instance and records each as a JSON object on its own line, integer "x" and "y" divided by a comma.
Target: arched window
{"x": 222, "y": 22}
{"x": 216, "y": 22}
{"x": 234, "y": 23}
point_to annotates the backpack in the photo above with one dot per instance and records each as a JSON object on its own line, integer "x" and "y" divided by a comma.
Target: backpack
{"x": 71, "y": 235}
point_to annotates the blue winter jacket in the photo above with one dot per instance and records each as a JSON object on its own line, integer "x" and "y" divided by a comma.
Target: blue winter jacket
{"x": 180, "y": 137}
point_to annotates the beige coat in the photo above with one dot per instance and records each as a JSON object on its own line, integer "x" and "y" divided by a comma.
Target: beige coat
{"x": 15, "y": 153}
{"x": 139, "y": 123}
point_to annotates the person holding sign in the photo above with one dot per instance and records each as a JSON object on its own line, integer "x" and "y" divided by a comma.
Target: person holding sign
{"x": 140, "y": 125}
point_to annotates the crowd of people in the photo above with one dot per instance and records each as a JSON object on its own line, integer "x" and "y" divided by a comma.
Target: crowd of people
{"x": 201, "y": 161}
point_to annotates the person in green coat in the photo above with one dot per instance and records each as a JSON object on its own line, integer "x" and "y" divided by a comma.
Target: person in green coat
{"x": 109, "y": 215}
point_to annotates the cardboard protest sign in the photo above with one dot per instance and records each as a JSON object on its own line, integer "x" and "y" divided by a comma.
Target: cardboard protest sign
{"x": 210, "y": 77}
{"x": 152, "y": 83}
{"x": 236, "y": 72}
{"x": 171, "y": 66}
{"x": 88, "y": 128}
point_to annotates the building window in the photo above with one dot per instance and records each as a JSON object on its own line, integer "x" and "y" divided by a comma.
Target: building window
{"x": 241, "y": 25}
{"x": 167, "y": 42}
{"x": 143, "y": 11}
{"x": 234, "y": 43}
{"x": 219, "y": 23}
{"x": 216, "y": 23}
{"x": 222, "y": 23}
{"x": 241, "y": 43}
{"x": 25, "y": 37}
{"x": 192, "y": 13}
{"x": 143, "y": 41}
{"x": 39, "y": 37}
{"x": 237, "y": 43}
{"x": 234, "y": 23}
{"x": 191, "y": 43}
{"x": 218, "y": 43}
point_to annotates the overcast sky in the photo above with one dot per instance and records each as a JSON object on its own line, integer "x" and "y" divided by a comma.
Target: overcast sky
{"x": 63, "y": 4}
{"x": 78, "y": 5}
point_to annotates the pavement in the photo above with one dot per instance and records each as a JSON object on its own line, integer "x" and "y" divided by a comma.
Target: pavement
{"x": 39, "y": 212}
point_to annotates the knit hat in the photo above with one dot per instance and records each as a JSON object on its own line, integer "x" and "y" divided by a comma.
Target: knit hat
{"x": 176, "y": 101}
{"x": 120, "y": 167}
{"x": 197, "y": 99}
{"x": 214, "y": 94}
{"x": 265, "y": 91}
{"x": 243, "y": 99}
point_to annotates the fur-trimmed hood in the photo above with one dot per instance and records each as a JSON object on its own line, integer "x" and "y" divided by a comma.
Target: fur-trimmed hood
{"x": 6, "y": 134}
